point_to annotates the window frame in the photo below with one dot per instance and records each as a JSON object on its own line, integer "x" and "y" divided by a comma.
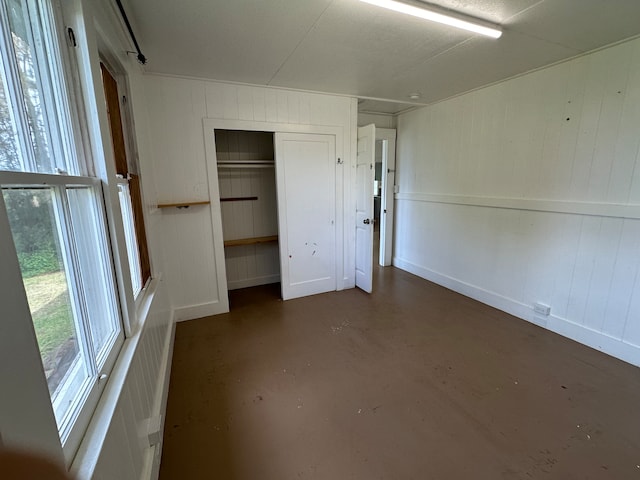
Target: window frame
{"x": 130, "y": 177}
{"x": 72, "y": 126}
{"x": 133, "y": 255}
{"x": 71, "y": 433}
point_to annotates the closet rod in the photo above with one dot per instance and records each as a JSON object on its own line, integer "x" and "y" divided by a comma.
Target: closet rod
{"x": 252, "y": 162}
{"x": 246, "y": 162}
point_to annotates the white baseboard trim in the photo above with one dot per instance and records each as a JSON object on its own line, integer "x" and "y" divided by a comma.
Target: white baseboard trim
{"x": 253, "y": 282}
{"x": 192, "y": 312}
{"x": 615, "y": 347}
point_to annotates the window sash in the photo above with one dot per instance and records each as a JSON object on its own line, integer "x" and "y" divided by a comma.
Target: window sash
{"x": 76, "y": 396}
{"x": 58, "y": 83}
{"x": 126, "y": 209}
{"x": 122, "y": 146}
{"x": 47, "y": 64}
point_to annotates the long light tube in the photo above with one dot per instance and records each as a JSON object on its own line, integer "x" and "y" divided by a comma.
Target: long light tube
{"x": 434, "y": 16}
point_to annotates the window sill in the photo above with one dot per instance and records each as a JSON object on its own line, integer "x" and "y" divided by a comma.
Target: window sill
{"x": 86, "y": 459}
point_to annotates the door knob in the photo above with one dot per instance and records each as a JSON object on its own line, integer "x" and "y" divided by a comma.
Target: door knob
{"x": 366, "y": 221}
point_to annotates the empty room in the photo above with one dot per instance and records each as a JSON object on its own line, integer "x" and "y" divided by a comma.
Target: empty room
{"x": 323, "y": 239}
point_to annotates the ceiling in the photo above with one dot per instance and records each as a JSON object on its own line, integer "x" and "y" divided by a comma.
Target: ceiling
{"x": 353, "y": 48}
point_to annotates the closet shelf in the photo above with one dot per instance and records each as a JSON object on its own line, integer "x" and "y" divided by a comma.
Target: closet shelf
{"x": 182, "y": 204}
{"x": 246, "y": 164}
{"x": 236, "y": 199}
{"x": 250, "y": 241}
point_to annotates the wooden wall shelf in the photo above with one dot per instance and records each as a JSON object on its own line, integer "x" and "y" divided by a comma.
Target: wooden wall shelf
{"x": 182, "y": 204}
{"x": 250, "y": 241}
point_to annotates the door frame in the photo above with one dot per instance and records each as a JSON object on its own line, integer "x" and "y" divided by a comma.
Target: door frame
{"x": 388, "y": 137}
{"x": 221, "y": 305}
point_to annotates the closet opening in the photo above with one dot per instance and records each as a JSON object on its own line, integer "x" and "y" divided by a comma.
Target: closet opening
{"x": 248, "y": 202}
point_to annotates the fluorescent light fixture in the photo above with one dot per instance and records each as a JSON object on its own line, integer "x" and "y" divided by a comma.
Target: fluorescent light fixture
{"x": 430, "y": 13}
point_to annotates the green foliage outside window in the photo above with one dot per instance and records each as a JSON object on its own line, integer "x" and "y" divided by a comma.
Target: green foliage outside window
{"x": 30, "y": 215}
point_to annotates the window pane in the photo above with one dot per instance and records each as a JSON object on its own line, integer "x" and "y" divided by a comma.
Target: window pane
{"x": 30, "y": 79}
{"x": 95, "y": 269}
{"x": 47, "y": 278}
{"x": 130, "y": 237}
{"x": 9, "y": 152}
{"x": 35, "y": 110}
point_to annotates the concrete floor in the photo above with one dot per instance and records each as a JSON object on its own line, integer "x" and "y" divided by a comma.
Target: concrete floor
{"x": 411, "y": 382}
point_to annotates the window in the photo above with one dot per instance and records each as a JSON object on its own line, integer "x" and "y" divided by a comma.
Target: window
{"x": 128, "y": 188}
{"x": 56, "y": 216}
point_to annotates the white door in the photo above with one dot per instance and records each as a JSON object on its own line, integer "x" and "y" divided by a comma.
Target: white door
{"x": 364, "y": 207}
{"x": 388, "y": 137}
{"x": 305, "y": 176}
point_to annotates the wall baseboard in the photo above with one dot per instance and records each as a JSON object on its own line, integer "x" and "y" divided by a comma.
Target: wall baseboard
{"x": 192, "y": 312}
{"x": 615, "y": 347}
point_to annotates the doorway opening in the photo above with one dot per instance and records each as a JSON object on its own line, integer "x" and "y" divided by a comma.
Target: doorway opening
{"x": 384, "y": 190}
{"x": 248, "y": 203}
{"x": 377, "y": 199}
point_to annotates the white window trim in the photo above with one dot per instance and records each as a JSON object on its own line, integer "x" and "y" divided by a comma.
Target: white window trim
{"x": 80, "y": 129}
{"x": 133, "y": 250}
{"x": 91, "y": 387}
{"x": 26, "y": 413}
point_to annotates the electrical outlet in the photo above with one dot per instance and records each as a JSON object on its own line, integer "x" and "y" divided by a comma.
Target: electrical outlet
{"x": 541, "y": 309}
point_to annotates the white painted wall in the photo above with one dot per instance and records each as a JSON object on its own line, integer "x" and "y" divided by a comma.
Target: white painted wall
{"x": 529, "y": 191}
{"x": 177, "y": 107}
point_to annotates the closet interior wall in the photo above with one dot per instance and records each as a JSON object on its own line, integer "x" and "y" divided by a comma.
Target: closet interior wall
{"x": 246, "y": 176}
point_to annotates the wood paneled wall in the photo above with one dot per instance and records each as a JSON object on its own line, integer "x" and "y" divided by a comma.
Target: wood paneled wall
{"x": 177, "y": 107}
{"x": 529, "y": 191}
{"x": 126, "y": 453}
